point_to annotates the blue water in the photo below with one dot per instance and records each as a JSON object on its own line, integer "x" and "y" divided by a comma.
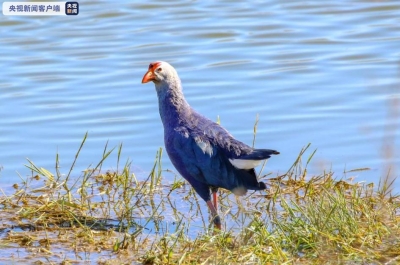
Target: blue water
{"x": 320, "y": 72}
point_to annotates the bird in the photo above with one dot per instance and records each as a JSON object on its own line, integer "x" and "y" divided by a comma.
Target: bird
{"x": 201, "y": 150}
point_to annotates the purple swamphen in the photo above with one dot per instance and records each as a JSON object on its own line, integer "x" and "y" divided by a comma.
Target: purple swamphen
{"x": 202, "y": 151}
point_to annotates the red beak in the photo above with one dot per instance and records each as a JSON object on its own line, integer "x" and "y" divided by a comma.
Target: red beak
{"x": 149, "y": 76}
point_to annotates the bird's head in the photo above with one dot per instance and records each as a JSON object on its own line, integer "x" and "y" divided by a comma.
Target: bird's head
{"x": 160, "y": 72}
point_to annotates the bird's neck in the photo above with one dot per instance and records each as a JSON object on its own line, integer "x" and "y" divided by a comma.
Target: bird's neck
{"x": 172, "y": 104}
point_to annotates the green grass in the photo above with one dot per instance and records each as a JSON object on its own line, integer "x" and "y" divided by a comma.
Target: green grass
{"x": 114, "y": 218}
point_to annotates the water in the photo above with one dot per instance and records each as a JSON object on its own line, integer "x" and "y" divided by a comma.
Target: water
{"x": 320, "y": 72}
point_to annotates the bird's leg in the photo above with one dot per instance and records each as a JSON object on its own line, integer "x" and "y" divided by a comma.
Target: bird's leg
{"x": 215, "y": 216}
{"x": 215, "y": 197}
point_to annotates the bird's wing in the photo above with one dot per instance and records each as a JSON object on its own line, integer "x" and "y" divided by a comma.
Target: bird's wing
{"x": 239, "y": 154}
{"x": 195, "y": 156}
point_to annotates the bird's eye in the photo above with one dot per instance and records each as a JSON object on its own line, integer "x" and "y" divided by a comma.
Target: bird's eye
{"x": 159, "y": 69}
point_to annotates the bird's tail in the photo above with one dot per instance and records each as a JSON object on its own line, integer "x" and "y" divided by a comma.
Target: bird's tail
{"x": 259, "y": 154}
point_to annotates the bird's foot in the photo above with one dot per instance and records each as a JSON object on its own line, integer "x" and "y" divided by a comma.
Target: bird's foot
{"x": 217, "y": 222}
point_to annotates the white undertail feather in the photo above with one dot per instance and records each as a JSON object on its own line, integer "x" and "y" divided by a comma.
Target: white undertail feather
{"x": 245, "y": 164}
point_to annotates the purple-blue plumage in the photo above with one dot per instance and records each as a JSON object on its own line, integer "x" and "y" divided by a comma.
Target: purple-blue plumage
{"x": 202, "y": 151}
